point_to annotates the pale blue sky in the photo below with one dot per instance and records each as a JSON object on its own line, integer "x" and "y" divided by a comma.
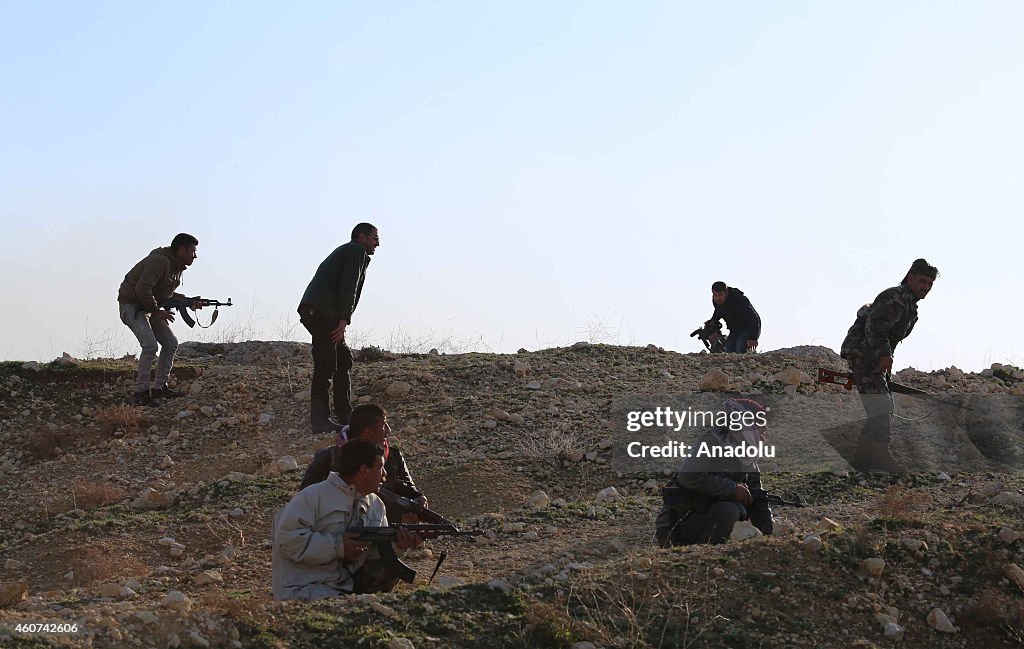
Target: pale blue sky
{"x": 540, "y": 173}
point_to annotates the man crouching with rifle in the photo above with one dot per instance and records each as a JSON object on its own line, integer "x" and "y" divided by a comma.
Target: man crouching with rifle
{"x": 314, "y": 554}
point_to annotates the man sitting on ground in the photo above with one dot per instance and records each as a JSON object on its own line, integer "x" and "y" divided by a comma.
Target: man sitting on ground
{"x": 313, "y": 555}
{"x": 707, "y": 496}
{"x": 370, "y": 422}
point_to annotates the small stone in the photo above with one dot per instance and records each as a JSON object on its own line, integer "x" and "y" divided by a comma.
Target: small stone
{"x": 1008, "y": 536}
{"x": 1015, "y": 573}
{"x": 166, "y": 462}
{"x": 13, "y": 564}
{"x": 381, "y": 609}
{"x": 398, "y": 389}
{"x": 401, "y": 643}
{"x": 916, "y": 546}
{"x": 1008, "y": 499}
{"x": 575, "y": 456}
{"x": 531, "y": 536}
{"x": 608, "y": 493}
{"x": 146, "y": 617}
{"x": 873, "y": 566}
{"x": 538, "y": 500}
{"x": 446, "y": 582}
{"x": 828, "y": 525}
{"x": 264, "y": 419}
{"x": 744, "y": 530}
{"x": 893, "y": 631}
{"x": 207, "y": 577}
{"x": 110, "y": 590}
{"x": 176, "y": 601}
{"x": 584, "y": 645}
{"x": 499, "y": 584}
{"x": 12, "y": 593}
{"x": 533, "y": 385}
{"x": 286, "y": 464}
{"x": 811, "y": 543}
{"x": 237, "y": 512}
{"x": 714, "y": 381}
{"x": 937, "y": 620}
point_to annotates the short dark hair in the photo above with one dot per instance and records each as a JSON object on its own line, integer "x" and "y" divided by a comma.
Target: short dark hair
{"x": 719, "y": 287}
{"x": 922, "y": 267}
{"x": 356, "y": 454}
{"x": 364, "y": 416}
{"x": 183, "y": 240}
{"x": 363, "y": 228}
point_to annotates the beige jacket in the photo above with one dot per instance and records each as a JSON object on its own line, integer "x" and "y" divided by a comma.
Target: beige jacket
{"x": 308, "y": 542}
{"x": 152, "y": 280}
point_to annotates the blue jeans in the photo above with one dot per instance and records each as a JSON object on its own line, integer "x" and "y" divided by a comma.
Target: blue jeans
{"x": 736, "y": 343}
{"x": 150, "y": 332}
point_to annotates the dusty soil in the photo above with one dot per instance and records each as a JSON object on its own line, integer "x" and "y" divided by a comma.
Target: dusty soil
{"x": 482, "y": 433}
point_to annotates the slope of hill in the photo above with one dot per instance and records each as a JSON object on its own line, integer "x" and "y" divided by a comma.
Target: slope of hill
{"x": 150, "y": 526}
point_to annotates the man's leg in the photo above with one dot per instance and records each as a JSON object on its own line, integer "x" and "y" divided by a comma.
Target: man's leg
{"x": 324, "y": 363}
{"x": 730, "y": 342}
{"x": 741, "y": 341}
{"x": 168, "y": 347}
{"x": 135, "y": 319}
{"x": 874, "y": 441}
{"x": 713, "y": 526}
{"x": 343, "y": 382}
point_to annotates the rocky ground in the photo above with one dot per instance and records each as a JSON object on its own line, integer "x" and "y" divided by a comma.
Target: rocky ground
{"x": 150, "y": 526}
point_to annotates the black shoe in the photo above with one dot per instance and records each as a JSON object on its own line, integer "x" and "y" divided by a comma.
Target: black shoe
{"x": 142, "y": 398}
{"x": 166, "y": 393}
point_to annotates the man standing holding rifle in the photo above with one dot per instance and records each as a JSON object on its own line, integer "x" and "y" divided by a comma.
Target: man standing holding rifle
{"x": 147, "y": 284}
{"x": 868, "y": 348}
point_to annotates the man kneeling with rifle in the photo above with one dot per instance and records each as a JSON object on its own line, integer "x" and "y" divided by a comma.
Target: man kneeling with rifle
{"x": 707, "y": 496}
{"x": 314, "y": 554}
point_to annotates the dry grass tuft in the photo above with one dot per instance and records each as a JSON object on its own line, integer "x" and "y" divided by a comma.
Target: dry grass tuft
{"x": 120, "y": 416}
{"x": 997, "y": 610}
{"x": 901, "y": 504}
{"x": 44, "y": 443}
{"x": 96, "y": 565}
{"x": 90, "y": 495}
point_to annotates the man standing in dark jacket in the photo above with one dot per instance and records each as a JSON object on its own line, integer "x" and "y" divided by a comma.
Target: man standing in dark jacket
{"x": 740, "y": 317}
{"x": 708, "y": 495}
{"x": 369, "y": 422}
{"x": 326, "y": 311}
{"x": 868, "y": 348}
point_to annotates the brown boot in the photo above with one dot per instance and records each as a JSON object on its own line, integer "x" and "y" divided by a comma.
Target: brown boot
{"x": 882, "y": 460}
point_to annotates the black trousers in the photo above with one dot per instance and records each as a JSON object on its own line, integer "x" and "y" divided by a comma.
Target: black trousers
{"x": 332, "y": 364}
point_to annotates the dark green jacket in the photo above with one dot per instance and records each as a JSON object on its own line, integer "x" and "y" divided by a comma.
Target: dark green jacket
{"x": 881, "y": 325}
{"x": 335, "y": 288}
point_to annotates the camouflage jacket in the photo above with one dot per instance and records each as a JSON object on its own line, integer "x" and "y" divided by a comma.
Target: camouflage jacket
{"x": 881, "y": 325}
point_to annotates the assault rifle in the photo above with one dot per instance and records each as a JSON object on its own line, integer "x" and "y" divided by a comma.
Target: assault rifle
{"x": 382, "y": 574}
{"x": 763, "y": 497}
{"x": 711, "y": 335}
{"x": 412, "y": 507}
{"x": 845, "y": 379}
{"x": 182, "y": 303}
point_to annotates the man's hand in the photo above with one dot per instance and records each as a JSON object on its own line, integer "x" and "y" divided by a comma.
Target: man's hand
{"x": 164, "y": 314}
{"x": 353, "y": 548}
{"x": 751, "y": 344}
{"x": 885, "y": 364}
{"x": 338, "y": 334}
{"x": 197, "y": 303}
{"x": 421, "y": 500}
{"x": 407, "y": 539}
{"x": 742, "y": 494}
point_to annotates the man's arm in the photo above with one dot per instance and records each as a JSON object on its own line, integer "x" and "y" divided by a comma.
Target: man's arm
{"x": 318, "y": 469}
{"x": 751, "y": 317}
{"x": 298, "y": 539}
{"x": 348, "y": 283}
{"x": 399, "y": 479}
{"x": 153, "y": 270}
{"x": 883, "y": 315}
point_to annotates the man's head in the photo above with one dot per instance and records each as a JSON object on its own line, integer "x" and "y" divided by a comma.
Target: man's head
{"x": 920, "y": 277}
{"x": 368, "y": 422}
{"x": 365, "y": 234}
{"x": 719, "y": 291}
{"x": 361, "y": 464}
{"x": 183, "y": 247}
